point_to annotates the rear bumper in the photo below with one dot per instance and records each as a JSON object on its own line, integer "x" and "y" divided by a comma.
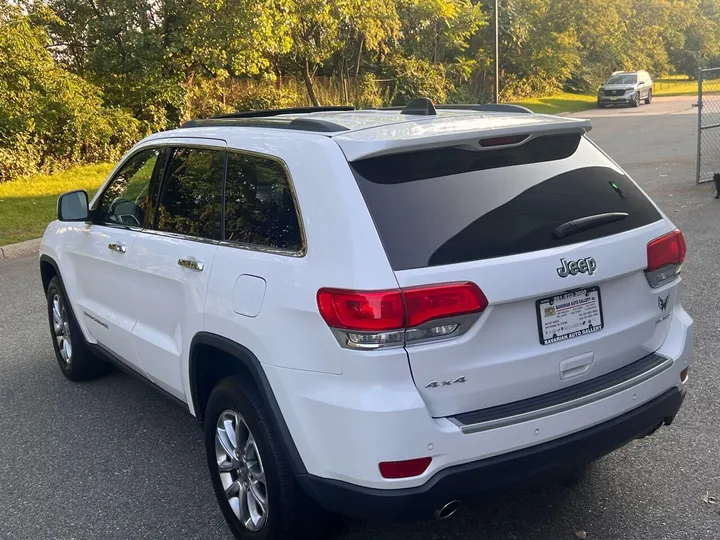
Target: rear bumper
{"x": 457, "y": 482}
{"x": 344, "y": 426}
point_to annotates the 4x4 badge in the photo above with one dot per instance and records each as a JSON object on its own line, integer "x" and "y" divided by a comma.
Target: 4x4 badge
{"x": 436, "y": 384}
{"x": 583, "y": 266}
{"x": 663, "y": 304}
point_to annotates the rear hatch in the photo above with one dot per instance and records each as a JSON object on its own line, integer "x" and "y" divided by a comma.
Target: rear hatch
{"x": 568, "y": 300}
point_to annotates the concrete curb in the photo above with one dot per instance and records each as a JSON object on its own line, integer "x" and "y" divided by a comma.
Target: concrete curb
{"x": 18, "y": 250}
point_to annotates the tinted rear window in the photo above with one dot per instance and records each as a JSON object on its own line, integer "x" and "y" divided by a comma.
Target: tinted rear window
{"x": 454, "y": 205}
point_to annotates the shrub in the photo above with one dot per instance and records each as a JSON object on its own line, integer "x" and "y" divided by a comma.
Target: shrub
{"x": 416, "y": 78}
{"x": 516, "y": 87}
{"x": 50, "y": 118}
{"x": 205, "y": 99}
{"x": 369, "y": 95}
{"x": 18, "y": 156}
{"x": 260, "y": 96}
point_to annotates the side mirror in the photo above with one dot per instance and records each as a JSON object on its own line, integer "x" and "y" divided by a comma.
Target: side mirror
{"x": 73, "y": 206}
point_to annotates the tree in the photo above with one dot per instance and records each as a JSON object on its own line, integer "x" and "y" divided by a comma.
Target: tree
{"x": 439, "y": 30}
{"x": 48, "y": 116}
{"x": 539, "y": 47}
{"x": 145, "y": 54}
{"x": 78, "y": 76}
{"x": 320, "y": 28}
{"x": 368, "y": 29}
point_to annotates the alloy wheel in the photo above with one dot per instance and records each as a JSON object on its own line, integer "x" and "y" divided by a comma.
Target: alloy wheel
{"x": 241, "y": 470}
{"x": 61, "y": 329}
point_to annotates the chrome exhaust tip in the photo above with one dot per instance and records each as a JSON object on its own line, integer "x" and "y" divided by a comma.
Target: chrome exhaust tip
{"x": 447, "y": 510}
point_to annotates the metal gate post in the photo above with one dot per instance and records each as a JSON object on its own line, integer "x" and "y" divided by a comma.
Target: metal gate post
{"x": 699, "y": 130}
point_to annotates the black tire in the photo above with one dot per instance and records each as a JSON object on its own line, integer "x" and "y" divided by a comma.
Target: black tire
{"x": 636, "y": 100}
{"x": 648, "y": 99}
{"x": 83, "y": 364}
{"x": 600, "y": 105}
{"x": 289, "y": 512}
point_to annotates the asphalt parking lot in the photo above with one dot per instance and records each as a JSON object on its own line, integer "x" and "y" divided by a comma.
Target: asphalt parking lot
{"x": 112, "y": 459}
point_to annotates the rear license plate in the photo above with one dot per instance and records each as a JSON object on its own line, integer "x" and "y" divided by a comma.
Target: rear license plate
{"x": 569, "y": 315}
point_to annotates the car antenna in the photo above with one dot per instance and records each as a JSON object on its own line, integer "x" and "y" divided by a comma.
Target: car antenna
{"x": 420, "y": 106}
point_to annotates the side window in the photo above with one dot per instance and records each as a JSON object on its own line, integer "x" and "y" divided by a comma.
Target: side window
{"x": 130, "y": 197}
{"x": 259, "y": 205}
{"x": 191, "y": 193}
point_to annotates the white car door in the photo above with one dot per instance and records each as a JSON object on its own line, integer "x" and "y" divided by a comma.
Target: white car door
{"x": 171, "y": 260}
{"x": 99, "y": 251}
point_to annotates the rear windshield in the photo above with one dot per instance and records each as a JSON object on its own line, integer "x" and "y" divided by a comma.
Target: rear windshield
{"x": 453, "y": 205}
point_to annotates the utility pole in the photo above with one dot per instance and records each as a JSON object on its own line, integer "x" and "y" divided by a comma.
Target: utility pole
{"x": 496, "y": 82}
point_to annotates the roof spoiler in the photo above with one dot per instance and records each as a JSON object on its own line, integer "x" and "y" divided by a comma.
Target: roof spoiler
{"x": 359, "y": 145}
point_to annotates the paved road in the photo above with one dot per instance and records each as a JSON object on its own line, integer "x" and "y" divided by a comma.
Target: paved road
{"x": 112, "y": 460}
{"x": 663, "y": 105}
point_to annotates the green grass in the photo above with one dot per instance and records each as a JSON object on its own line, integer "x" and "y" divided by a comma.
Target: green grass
{"x": 28, "y": 204}
{"x": 675, "y": 86}
{"x": 560, "y": 103}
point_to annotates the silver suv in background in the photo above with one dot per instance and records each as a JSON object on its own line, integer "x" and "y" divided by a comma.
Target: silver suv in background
{"x": 626, "y": 87}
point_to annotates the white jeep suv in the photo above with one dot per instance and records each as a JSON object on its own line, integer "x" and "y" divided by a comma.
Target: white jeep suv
{"x": 377, "y": 312}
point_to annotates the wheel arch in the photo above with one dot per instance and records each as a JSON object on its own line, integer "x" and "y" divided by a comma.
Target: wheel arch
{"x": 48, "y": 270}
{"x": 234, "y": 359}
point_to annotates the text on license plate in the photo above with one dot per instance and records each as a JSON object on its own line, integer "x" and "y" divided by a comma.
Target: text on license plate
{"x": 569, "y": 315}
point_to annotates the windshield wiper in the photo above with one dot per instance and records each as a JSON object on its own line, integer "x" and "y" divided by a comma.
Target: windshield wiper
{"x": 575, "y": 226}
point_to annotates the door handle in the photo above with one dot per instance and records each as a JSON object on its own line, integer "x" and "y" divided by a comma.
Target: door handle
{"x": 191, "y": 264}
{"x": 117, "y": 247}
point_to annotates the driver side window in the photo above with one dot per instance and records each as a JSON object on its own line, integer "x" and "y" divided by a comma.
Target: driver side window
{"x": 130, "y": 197}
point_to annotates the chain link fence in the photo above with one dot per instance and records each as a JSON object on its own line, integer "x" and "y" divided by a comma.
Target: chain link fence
{"x": 708, "y": 144}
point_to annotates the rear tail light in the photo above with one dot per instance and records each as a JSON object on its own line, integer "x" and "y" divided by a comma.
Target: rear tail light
{"x": 665, "y": 256}
{"x": 423, "y": 304}
{"x": 404, "y": 469}
{"x": 365, "y": 311}
{"x": 372, "y": 319}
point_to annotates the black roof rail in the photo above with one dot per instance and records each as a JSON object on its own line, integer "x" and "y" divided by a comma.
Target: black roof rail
{"x": 479, "y": 107}
{"x": 276, "y": 112}
{"x": 421, "y": 106}
{"x": 487, "y": 107}
{"x": 316, "y": 125}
